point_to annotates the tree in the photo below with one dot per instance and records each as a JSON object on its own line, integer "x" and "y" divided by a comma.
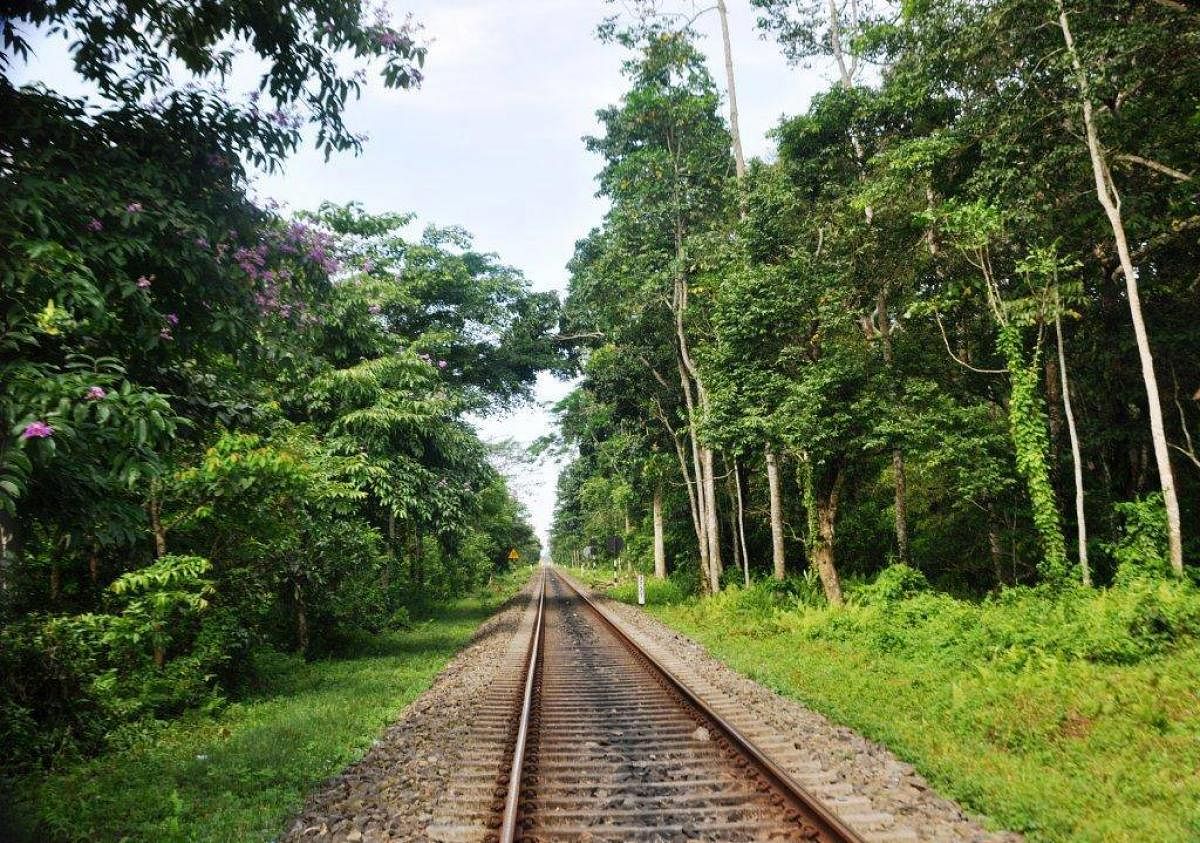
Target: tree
{"x": 1110, "y": 200}
{"x": 666, "y": 153}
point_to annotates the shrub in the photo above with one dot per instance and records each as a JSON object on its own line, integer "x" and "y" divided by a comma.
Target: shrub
{"x": 894, "y": 583}
{"x": 1141, "y": 547}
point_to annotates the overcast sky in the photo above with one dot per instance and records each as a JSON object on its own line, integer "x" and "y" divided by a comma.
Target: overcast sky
{"x": 492, "y": 141}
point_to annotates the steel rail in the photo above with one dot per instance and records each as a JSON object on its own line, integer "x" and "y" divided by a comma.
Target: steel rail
{"x": 508, "y": 824}
{"x": 804, "y": 803}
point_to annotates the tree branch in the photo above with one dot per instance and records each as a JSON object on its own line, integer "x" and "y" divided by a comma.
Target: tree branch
{"x": 1160, "y": 240}
{"x": 1158, "y": 167}
{"x": 955, "y": 358}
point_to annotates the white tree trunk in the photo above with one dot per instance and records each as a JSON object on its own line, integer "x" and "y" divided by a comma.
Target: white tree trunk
{"x": 1110, "y": 200}
{"x": 739, "y": 159}
{"x": 1085, "y": 570}
{"x": 712, "y": 523}
{"x": 741, "y": 524}
{"x": 777, "y": 548}
{"x": 660, "y": 551}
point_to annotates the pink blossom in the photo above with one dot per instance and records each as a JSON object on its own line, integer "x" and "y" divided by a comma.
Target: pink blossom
{"x": 95, "y": 393}
{"x": 95, "y": 225}
{"x": 173, "y": 319}
{"x": 442, "y": 364}
{"x": 37, "y": 430}
{"x": 134, "y": 207}
{"x": 143, "y": 282}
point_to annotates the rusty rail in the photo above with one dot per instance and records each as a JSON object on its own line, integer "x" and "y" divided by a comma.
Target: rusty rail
{"x": 508, "y": 825}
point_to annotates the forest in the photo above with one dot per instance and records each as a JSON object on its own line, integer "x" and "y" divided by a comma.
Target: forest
{"x": 920, "y": 387}
{"x": 226, "y": 428}
{"x": 901, "y": 419}
{"x": 950, "y": 324}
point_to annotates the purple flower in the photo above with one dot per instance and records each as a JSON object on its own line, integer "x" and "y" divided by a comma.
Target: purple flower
{"x": 368, "y": 265}
{"x": 37, "y": 430}
{"x": 95, "y": 225}
{"x": 442, "y": 364}
{"x": 202, "y": 242}
{"x": 172, "y": 318}
{"x": 95, "y": 393}
{"x": 134, "y": 207}
{"x": 143, "y": 282}
{"x": 374, "y": 309}
{"x": 389, "y": 39}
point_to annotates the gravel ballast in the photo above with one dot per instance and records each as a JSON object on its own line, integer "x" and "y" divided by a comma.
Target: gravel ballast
{"x": 406, "y": 785}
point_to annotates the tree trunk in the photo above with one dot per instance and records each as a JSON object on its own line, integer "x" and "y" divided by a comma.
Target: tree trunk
{"x": 1085, "y": 570}
{"x": 154, "y": 508}
{"x": 1054, "y": 401}
{"x": 739, "y": 160}
{"x": 160, "y": 649}
{"x": 994, "y": 545}
{"x": 899, "y": 476}
{"x": 778, "y": 558}
{"x": 740, "y": 538}
{"x": 1110, "y": 200}
{"x": 660, "y": 551}
{"x": 820, "y": 508}
{"x": 701, "y": 503}
{"x": 713, "y": 525}
{"x": 301, "y": 619}
{"x": 823, "y": 551}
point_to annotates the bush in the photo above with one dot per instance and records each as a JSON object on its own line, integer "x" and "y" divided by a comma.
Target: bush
{"x": 658, "y": 592}
{"x": 894, "y": 583}
{"x": 1141, "y": 547}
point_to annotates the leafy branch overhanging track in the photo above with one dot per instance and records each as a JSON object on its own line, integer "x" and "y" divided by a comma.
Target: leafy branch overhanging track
{"x": 609, "y": 745}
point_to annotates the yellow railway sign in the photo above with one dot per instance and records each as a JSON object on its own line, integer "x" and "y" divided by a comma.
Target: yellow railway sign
{"x": 513, "y": 556}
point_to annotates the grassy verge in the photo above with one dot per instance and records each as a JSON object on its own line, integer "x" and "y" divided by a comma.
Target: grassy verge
{"x": 1071, "y": 717}
{"x": 239, "y": 774}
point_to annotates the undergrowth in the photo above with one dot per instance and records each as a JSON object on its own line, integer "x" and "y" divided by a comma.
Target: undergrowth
{"x": 238, "y": 773}
{"x": 1064, "y": 714}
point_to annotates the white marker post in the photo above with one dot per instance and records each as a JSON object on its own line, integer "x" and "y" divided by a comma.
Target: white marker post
{"x": 641, "y": 590}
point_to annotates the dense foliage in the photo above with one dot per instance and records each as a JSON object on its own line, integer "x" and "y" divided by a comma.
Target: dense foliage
{"x": 224, "y": 429}
{"x": 951, "y": 322}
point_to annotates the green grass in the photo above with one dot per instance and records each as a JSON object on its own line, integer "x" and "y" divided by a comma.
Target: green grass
{"x": 1071, "y": 717}
{"x": 238, "y": 775}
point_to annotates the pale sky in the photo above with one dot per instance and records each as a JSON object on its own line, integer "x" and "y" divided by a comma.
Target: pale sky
{"x": 492, "y": 141}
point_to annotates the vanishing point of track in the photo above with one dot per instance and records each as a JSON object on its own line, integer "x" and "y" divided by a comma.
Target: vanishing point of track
{"x": 608, "y": 745}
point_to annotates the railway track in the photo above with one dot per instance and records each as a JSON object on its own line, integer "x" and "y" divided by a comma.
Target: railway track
{"x": 608, "y": 745}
